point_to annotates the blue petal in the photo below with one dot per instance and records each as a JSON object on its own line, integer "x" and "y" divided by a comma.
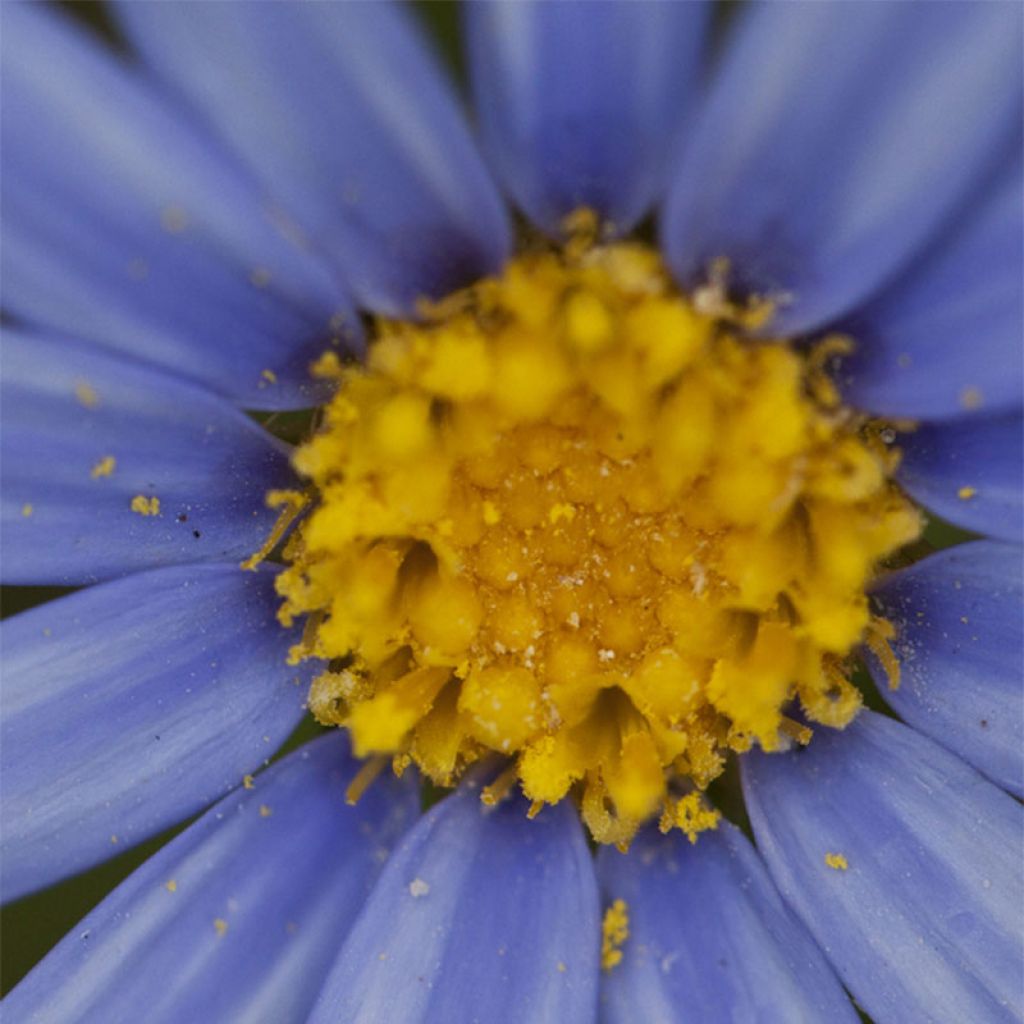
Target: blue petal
{"x": 126, "y": 223}
{"x": 346, "y": 119}
{"x": 959, "y": 642}
{"x": 129, "y": 706}
{"x": 924, "y": 924}
{"x": 709, "y": 938}
{"x": 985, "y": 455}
{"x": 580, "y": 104}
{"x": 837, "y": 139}
{"x": 945, "y": 337}
{"x": 480, "y": 914}
{"x": 286, "y": 885}
{"x": 67, "y": 407}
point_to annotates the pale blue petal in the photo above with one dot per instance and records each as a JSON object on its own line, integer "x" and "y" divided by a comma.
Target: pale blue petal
{"x": 945, "y": 338}
{"x": 709, "y": 938}
{"x": 925, "y": 923}
{"x": 837, "y": 139}
{"x": 131, "y": 705}
{"x": 580, "y": 104}
{"x": 285, "y": 867}
{"x": 985, "y": 455}
{"x": 960, "y": 643}
{"x": 67, "y": 406}
{"x": 479, "y": 915}
{"x": 125, "y": 223}
{"x": 344, "y": 116}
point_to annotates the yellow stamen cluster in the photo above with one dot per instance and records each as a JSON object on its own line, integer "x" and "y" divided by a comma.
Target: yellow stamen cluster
{"x": 573, "y": 519}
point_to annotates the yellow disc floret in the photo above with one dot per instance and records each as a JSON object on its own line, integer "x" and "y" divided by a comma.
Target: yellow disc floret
{"x": 571, "y": 520}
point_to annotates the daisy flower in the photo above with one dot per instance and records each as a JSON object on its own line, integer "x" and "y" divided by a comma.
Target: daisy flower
{"x": 589, "y": 533}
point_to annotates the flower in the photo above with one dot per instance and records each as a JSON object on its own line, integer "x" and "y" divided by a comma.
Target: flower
{"x": 185, "y": 231}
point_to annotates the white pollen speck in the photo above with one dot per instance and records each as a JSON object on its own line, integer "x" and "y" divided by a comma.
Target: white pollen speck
{"x": 574, "y": 620}
{"x": 699, "y": 577}
{"x": 512, "y": 577}
{"x": 606, "y": 655}
{"x": 418, "y": 888}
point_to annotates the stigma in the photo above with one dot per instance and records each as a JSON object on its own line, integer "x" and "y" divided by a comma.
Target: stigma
{"x": 573, "y": 520}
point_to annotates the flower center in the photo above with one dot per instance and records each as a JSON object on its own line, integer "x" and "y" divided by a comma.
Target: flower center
{"x": 572, "y": 519}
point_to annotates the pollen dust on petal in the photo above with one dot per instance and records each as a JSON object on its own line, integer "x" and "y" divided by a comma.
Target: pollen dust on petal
{"x": 836, "y": 861}
{"x": 144, "y": 506}
{"x": 86, "y": 394}
{"x": 104, "y": 467}
{"x": 614, "y": 933}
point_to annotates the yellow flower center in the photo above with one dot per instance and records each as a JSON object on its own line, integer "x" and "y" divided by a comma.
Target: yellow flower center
{"x": 573, "y": 519}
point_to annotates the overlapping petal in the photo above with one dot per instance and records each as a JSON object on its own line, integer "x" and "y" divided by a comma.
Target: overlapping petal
{"x": 87, "y": 432}
{"x": 944, "y": 339}
{"x": 479, "y": 915}
{"x": 126, "y": 223}
{"x": 836, "y": 141}
{"x": 240, "y": 916}
{"x": 343, "y": 115}
{"x": 709, "y": 938}
{"x": 969, "y": 471}
{"x": 129, "y": 706}
{"x": 924, "y": 921}
{"x": 960, "y": 640}
{"x": 580, "y": 104}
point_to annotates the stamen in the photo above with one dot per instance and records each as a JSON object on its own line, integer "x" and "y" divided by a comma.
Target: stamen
{"x": 878, "y": 636}
{"x": 500, "y": 787}
{"x": 364, "y": 777}
{"x": 291, "y": 504}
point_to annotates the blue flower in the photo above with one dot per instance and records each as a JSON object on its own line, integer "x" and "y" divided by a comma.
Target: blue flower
{"x": 188, "y": 226}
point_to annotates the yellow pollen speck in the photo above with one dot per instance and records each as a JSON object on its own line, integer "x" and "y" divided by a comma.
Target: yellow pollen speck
{"x": 114, "y": 840}
{"x": 220, "y": 925}
{"x": 247, "y": 782}
{"x": 145, "y": 506}
{"x": 580, "y": 521}
{"x": 562, "y": 967}
{"x": 86, "y": 394}
{"x": 26, "y": 509}
{"x": 971, "y": 398}
{"x": 173, "y": 219}
{"x": 265, "y": 811}
{"x": 267, "y": 377}
{"x": 836, "y": 861}
{"x": 614, "y": 932}
{"x": 966, "y": 493}
{"x": 171, "y": 885}
{"x": 105, "y": 467}
{"x": 259, "y": 277}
